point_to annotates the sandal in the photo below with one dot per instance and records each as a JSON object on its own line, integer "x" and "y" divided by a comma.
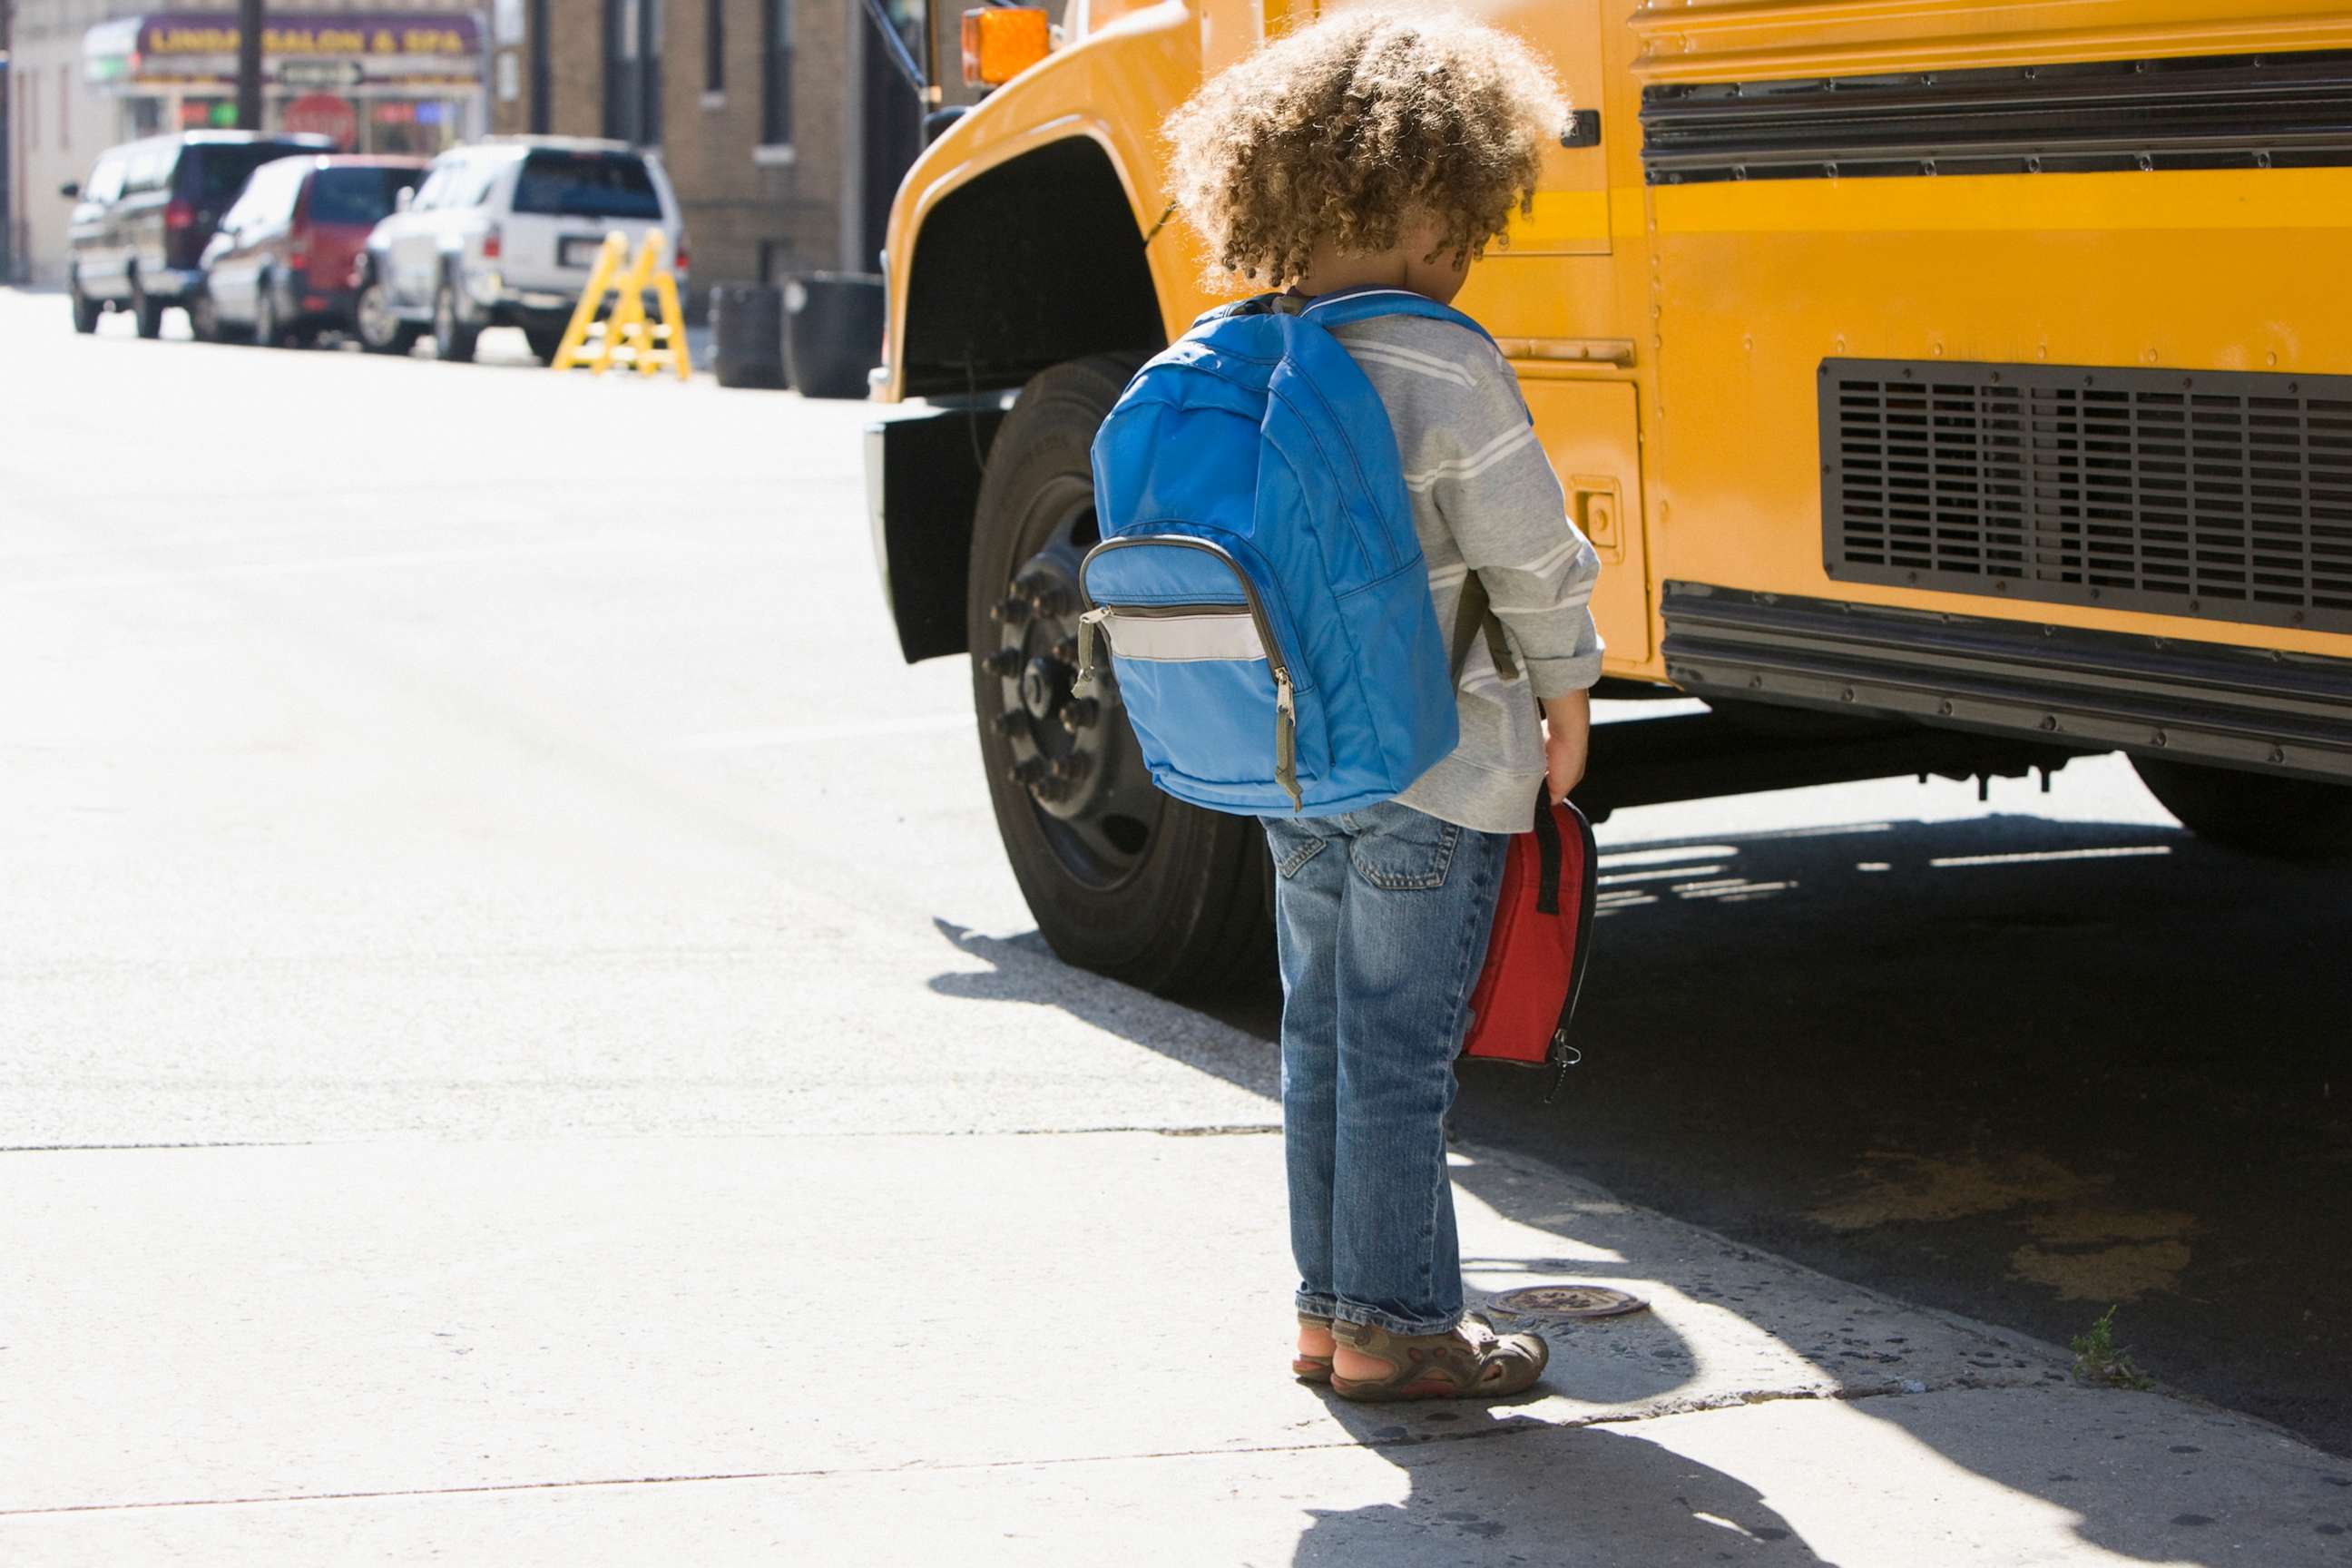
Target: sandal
{"x": 1473, "y": 1362}
{"x": 1311, "y": 1368}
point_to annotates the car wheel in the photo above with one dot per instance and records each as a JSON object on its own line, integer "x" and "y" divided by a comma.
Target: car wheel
{"x": 453, "y": 339}
{"x": 145, "y": 313}
{"x": 267, "y": 332}
{"x": 380, "y": 331}
{"x": 1121, "y": 878}
{"x": 86, "y": 311}
{"x": 204, "y": 316}
{"x": 544, "y": 341}
{"x": 2260, "y": 813}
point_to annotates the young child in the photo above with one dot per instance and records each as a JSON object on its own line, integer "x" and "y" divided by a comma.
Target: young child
{"x": 1391, "y": 151}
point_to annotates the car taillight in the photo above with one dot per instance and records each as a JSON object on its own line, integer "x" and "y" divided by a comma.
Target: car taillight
{"x": 491, "y": 245}
{"x": 178, "y": 215}
{"x": 298, "y": 254}
{"x": 684, "y": 263}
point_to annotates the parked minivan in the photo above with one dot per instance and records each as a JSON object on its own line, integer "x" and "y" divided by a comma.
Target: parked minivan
{"x": 280, "y": 266}
{"x": 504, "y": 232}
{"x": 141, "y": 220}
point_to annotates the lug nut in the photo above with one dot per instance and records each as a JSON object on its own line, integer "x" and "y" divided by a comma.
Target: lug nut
{"x": 1027, "y": 771}
{"x": 1080, "y": 713}
{"x": 1006, "y": 722}
{"x": 1011, "y": 611}
{"x": 1072, "y": 767}
{"x": 1006, "y": 661}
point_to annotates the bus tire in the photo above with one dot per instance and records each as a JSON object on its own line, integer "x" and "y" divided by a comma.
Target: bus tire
{"x": 2260, "y": 813}
{"x": 1122, "y": 880}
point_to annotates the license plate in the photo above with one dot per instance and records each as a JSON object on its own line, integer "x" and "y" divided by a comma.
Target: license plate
{"x": 580, "y": 250}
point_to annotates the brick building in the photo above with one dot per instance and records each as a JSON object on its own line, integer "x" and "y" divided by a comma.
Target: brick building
{"x": 783, "y": 123}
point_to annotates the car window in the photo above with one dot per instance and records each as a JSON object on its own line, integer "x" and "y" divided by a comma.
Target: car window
{"x": 587, "y": 184}
{"x": 149, "y": 167}
{"x": 476, "y": 188}
{"x": 441, "y": 183}
{"x": 285, "y": 188}
{"x": 359, "y": 195}
{"x": 105, "y": 181}
{"x": 221, "y": 171}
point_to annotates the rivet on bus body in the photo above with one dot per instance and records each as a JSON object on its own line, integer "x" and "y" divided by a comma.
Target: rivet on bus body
{"x": 2271, "y": 358}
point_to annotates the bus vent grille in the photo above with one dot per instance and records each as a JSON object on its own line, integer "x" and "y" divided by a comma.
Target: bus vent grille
{"x": 2225, "y": 496}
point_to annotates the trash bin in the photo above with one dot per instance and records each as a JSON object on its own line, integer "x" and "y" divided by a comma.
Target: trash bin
{"x": 832, "y": 332}
{"x": 746, "y": 334}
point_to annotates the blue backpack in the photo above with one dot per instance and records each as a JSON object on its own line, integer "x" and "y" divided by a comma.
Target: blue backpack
{"x": 1258, "y": 581}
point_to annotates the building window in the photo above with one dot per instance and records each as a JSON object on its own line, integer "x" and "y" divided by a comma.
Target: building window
{"x": 776, "y": 86}
{"x": 633, "y": 71}
{"x": 714, "y": 45}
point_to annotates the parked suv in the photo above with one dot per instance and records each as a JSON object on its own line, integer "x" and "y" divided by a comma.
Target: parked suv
{"x": 281, "y": 265}
{"x": 504, "y": 232}
{"x": 141, "y": 220}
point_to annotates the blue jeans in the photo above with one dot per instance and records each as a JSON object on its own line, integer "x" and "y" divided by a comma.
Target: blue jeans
{"x": 1384, "y": 916}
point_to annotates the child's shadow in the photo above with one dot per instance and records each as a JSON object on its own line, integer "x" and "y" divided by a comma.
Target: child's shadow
{"x": 1497, "y": 1487}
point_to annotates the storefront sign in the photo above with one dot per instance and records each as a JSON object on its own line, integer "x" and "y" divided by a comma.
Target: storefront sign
{"x": 316, "y": 51}
{"x": 357, "y": 34}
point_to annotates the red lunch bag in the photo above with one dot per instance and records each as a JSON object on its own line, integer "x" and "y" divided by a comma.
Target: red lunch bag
{"x": 1543, "y": 935}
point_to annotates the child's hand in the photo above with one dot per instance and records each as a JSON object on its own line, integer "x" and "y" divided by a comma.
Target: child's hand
{"x": 1567, "y": 740}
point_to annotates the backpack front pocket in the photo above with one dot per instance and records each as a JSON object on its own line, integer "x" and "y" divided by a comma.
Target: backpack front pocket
{"x": 1215, "y": 700}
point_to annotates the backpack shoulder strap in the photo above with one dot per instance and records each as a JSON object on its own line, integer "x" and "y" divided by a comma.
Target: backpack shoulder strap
{"x": 1349, "y": 305}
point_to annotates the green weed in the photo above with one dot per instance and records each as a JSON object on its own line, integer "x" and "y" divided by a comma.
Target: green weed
{"x": 2097, "y": 1359}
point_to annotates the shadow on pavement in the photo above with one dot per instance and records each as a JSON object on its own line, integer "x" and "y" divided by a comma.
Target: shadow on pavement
{"x": 2012, "y": 1067}
{"x": 1517, "y": 1490}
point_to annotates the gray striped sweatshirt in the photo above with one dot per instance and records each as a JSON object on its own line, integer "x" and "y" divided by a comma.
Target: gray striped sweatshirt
{"x": 1485, "y": 499}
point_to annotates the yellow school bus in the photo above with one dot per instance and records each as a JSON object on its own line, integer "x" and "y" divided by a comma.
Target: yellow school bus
{"x": 1948, "y": 386}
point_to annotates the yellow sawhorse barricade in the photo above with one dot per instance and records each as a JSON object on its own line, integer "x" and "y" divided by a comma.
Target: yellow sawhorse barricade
{"x": 625, "y": 336}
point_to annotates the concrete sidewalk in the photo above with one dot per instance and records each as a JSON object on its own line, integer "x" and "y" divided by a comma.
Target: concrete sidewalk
{"x": 842, "y": 1348}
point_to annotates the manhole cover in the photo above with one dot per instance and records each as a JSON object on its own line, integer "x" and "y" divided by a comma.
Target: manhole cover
{"x": 1569, "y": 1301}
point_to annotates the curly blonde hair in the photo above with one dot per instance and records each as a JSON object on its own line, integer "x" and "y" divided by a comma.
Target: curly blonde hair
{"x": 1350, "y": 128}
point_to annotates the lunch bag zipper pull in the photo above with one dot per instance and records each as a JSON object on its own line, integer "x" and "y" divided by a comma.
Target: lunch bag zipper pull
{"x": 1285, "y": 740}
{"x": 1087, "y": 624}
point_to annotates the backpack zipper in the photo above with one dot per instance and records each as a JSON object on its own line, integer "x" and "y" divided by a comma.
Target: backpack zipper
{"x": 1286, "y": 708}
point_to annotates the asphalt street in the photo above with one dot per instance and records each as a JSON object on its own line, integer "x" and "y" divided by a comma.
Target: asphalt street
{"x": 400, "y": 755}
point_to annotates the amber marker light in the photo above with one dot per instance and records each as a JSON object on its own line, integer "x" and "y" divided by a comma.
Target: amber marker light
{"x": 1000, "y": 42}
